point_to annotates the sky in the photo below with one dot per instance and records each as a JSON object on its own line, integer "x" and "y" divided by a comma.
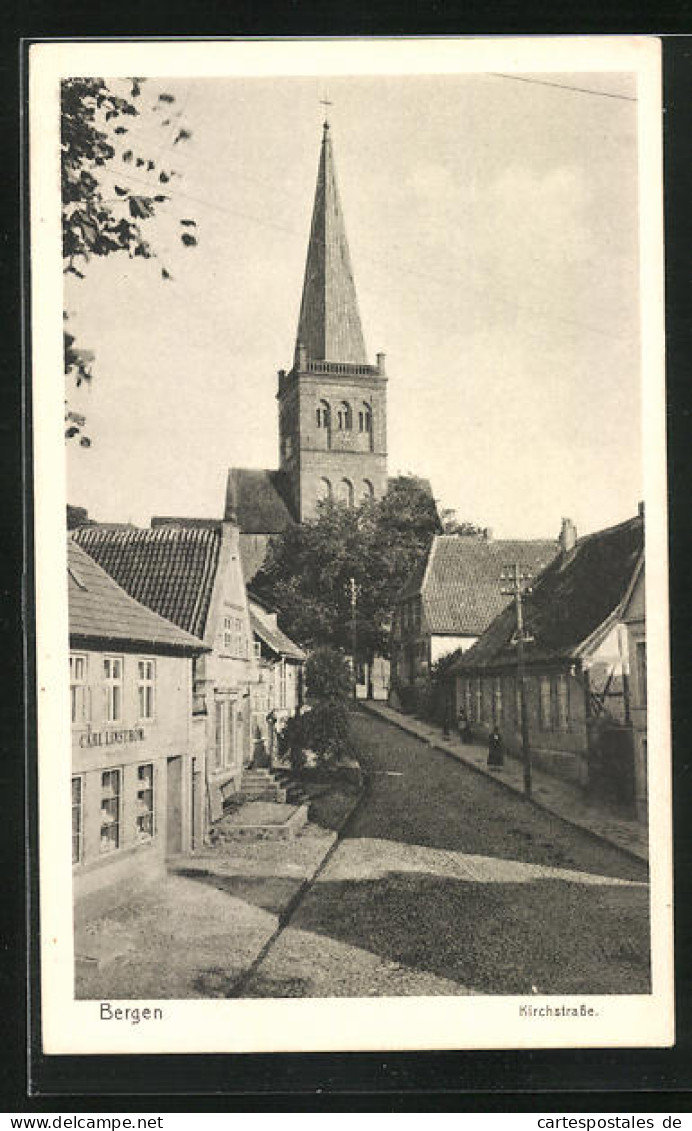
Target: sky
{"x": 493, "y": 229}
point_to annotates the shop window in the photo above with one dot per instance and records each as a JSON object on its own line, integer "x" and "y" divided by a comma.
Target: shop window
{"x": 113, "y": 680}
{"x": 77, "y": 820}
{"x": 145, "y": 801}
{"x": 545, "y": 703}
{"x": 562, "y": 702}
{"x": 79, "y": 692}
{"x": 110, "y": 810}
{"x": 146, "y": 679}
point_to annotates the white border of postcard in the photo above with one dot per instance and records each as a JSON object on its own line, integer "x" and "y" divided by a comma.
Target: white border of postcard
{"x": 487, "y": 1022}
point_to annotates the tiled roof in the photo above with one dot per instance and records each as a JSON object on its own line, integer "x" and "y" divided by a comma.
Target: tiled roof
{"x": 257, "y": 500}
{"x": 329, "y": 326}
{"x": 575, "y": 598}
{"x": 460, "y": 587}
{"x": 99, "y": 610}
{"x": 272, "y": 636}
{"x": 170, "y": 569}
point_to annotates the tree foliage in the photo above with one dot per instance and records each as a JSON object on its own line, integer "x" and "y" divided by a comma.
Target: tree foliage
{"x": 310, "y": 568}
{"x": 109, "y": 189}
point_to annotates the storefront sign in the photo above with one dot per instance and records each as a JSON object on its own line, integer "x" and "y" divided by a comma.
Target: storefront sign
{"x": 111, "y": 737}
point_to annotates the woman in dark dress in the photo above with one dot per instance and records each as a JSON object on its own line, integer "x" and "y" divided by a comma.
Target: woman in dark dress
{"x": 496, "y": 755}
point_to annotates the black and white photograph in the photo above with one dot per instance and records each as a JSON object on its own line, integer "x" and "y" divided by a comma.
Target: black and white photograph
{"x": 351, "y": 545}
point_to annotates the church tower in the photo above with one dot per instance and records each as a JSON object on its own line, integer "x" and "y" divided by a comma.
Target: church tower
{"x": 332, "y": 403}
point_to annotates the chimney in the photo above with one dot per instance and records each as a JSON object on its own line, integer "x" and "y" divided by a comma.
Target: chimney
{"x": 568, "y": 536}
{"x": 488, "y": 533}
{"x": 380, "y": 364}
{"x": 640, "y": 508}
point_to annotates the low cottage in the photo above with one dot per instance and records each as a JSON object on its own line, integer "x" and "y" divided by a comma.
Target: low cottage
{"x": 190, "y": 572}
{"x": 576, "y": 662}
{"x": 451, "y": 598}
{"x": 135, "y": 773}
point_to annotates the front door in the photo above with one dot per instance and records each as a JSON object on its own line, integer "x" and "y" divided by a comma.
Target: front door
{"x": 174, "y": 806}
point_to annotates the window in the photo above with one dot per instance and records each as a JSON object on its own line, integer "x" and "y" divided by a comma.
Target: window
{"x": 257, "y": 647}
{"x": 497, "y": 701}
{"x": 467, "y": 698}
{"x": 322, "y": 415}
{"x": 146, "y": 672}
{"x": 110, "y": 810}
{"x": 324, "y": 489}
{"x": 346, "y": 492}
{"x": 77, "y": 820}
{"x": 368, "y": 491}
{"x": 78, "y": 688}
{"x": 479, "y": 700}
{"x": 562, "y": 702}
{"x": 415, "y": 614}
{"x": 145, "y": 801}
{"x": 234, "y": 638}
{"x": 365, "y": 419}
{"x": 545, "y": 705}
{"x": 113, "y": 679}
{"x": 282, "y": 683}
{"x": 640, "y": 652}
{"x": 343, "y": 417}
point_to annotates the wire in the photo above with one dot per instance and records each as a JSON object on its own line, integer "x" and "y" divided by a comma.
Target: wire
{"x": 563, "y": 86}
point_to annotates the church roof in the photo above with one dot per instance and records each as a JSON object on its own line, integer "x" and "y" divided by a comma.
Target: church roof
{"x": 460, "y": 584}
{"x": 170, "y": 569}
{"x": 256, "y": 500}
{"x": 101, "y": 611}
{"x": 329, "y": 326}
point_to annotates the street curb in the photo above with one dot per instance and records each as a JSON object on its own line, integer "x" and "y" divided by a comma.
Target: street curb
{"x": 631, "y": 852}
{"x": 284, "y": 916}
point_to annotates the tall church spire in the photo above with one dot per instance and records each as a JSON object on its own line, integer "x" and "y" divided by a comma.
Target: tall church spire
{"x": 329, "y": 328}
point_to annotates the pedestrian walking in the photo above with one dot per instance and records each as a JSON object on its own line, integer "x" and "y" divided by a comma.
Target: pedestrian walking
{"x": 496, "y": 754}
{"x": 464, "y": 726}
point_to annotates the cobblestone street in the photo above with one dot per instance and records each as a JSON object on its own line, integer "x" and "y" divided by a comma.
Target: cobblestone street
{"x": 446, "y": 883}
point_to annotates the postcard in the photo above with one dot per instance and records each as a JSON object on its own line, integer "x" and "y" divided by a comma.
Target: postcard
{"x": 351, "y": 544}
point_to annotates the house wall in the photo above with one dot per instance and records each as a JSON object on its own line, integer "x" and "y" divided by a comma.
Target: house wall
{"x": 104, "y": 871}
{"x": 635, "y": 622}
{"x": 558, "y": 741}
{"x": 224, "y": 677}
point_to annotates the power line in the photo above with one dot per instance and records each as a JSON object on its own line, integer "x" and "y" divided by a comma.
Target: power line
{"x": 441, "y": 280}
{"x": 563, "y": 86}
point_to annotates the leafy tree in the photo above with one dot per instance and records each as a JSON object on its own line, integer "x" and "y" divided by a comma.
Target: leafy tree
{"x": 310, "y": 568}
{"x": 451, "y": 525}
{"x": 109, "y": 190}
{"x": 327, "y": 729}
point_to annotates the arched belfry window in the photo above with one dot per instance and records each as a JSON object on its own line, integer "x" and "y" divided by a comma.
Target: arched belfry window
{"x": 343, "y": 417}
{"x": 346, "y": 492}
{"x": 322, "y": 414}
{"x": 368, "y": 491}
{"x": 324, "y": 489}
{"x": 365, "y": 418}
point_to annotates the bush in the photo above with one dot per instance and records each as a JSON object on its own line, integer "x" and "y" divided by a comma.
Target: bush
{"x": 327, "y": 728}
{"x": 291, "y": 739}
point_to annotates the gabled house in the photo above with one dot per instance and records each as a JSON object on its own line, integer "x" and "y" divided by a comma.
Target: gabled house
{"x": 452, "y": 597}
{"x": 576, "y": 661}
{"x": 190, "y": 573}
{"x": 278, "y": 693}
{"x": 135, "y": 767}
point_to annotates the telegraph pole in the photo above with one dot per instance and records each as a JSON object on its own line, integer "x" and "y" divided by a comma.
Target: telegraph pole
{"x": 515, "y": 583}
{"x": 353, "y": 589}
